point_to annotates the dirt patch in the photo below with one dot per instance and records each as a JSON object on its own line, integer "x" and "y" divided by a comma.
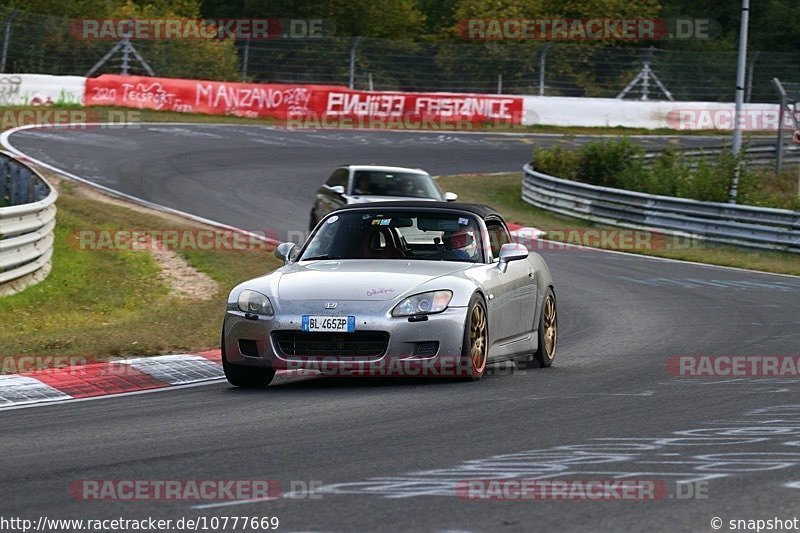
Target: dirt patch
{"x": 184, "y": 280}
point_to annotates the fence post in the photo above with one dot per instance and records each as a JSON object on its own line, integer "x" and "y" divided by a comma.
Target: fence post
{"x": 6, "y": 38}
{"x": 750, "y": 70}
{"x": 781, "y": 106}
{"x": 245, "y": 59}
{"x": 542, "y": 57}
{"x": 126, "y": 57}
{"x": 353, "y": 61}
{"x": 737, "y": 125}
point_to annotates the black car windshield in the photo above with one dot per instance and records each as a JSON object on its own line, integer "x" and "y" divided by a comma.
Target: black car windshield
{"x": 403, "y": 184}
{"x": 406, "y": 234}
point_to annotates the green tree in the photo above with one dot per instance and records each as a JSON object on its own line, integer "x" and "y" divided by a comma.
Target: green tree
{"x": 392, "y": 19}
{"x": 43, "y": 39}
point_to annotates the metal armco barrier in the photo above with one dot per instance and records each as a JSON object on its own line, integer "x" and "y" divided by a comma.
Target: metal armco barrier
{"x": 27, "y": 220}
{"x": 759, "y": 155}
{"x": 759, "y": 227}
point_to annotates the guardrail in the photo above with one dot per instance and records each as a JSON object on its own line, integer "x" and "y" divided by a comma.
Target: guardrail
{"x": 757, "y": 155}
{"x": 27, "y": 220}
{"x": 758, "y": 227}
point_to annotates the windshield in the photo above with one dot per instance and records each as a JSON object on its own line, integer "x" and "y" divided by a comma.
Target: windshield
{"x": 407, "y": 234}
{"x": 383, "y": 183}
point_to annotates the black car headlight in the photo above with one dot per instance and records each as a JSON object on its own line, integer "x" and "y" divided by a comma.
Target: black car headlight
{"x": 423, "y": 304}
{"x": 255, "y": 302}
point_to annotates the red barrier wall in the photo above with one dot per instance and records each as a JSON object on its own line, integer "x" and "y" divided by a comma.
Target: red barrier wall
{"x": 302, "y": 104}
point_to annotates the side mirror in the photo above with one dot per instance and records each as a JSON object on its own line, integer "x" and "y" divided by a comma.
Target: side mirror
{"x": 337, "y": 189}
{"x": 284, "y": 251}
{"x": 450, "y": 196}
{"x": 511, "y": 251}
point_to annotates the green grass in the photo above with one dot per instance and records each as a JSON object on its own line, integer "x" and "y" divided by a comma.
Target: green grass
{"x": 504, "y": 191}
{"x": 97, "y": 304}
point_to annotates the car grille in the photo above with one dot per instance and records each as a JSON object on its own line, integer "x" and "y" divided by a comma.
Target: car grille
{"x": 426, "y": 349}
{"x": 356, "y": 345}
{"x": 248, "y": 347}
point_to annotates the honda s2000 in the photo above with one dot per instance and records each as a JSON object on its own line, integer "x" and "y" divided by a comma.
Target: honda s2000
{"x": 394, "y": 286}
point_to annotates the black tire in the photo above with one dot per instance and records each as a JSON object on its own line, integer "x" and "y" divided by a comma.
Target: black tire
{"x": 540, "y": 358}
{"x": 245, "y": 376}
{"x": 548, "y": 326}
{"x": 472, "y": 366}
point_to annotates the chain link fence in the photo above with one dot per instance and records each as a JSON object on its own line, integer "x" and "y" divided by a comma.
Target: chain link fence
{"x": 552, "y": 69}
{"x": 46, "y": 45}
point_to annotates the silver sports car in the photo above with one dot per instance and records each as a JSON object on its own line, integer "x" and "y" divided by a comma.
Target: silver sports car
{"x": 395, "y": 288}
{"x": 359, "y": 184}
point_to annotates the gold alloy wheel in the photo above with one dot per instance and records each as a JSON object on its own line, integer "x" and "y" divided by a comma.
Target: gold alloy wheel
{"x": 477, "y": 338}
{"x": 550, "y": 327}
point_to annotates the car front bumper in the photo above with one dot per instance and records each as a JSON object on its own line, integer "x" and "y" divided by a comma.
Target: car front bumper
{"x": 428, "y": 347}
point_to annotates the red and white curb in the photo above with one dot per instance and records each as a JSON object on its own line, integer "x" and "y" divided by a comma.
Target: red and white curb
{"x": 108, "y": 378}
{"x": 522, "y": 233}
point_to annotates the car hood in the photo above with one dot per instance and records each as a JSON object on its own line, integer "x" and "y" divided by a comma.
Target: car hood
{"x": 360, "y": 279}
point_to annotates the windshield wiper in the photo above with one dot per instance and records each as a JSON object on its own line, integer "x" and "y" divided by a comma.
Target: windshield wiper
{"x": 318, "y": 258}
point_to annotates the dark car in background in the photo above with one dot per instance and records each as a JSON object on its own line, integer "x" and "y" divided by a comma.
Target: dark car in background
{"x": 355, "y": 184}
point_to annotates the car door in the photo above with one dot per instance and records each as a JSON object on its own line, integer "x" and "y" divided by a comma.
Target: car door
{"x": 327, "y": 198}
{"x": 516, "y": 290}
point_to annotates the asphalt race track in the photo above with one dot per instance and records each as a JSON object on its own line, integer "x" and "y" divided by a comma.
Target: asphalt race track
{"x": 263, "y": 178}
{"x": 387, "y": 454}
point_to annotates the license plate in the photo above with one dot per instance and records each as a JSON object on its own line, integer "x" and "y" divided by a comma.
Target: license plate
{"x": 345, "y": 324}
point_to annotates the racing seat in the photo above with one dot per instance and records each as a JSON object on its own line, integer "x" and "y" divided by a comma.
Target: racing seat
{"x": 380, "y": 243}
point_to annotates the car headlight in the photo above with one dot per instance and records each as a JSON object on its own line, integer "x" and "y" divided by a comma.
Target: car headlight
{"x": 423, "y": 304}
{"x": 255, "y": 302}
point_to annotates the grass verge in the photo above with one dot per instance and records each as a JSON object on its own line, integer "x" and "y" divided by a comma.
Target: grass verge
{"x": 503, "y": 192}
{"x": 103, "y": 303}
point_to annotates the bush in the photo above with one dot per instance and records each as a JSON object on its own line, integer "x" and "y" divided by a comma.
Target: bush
{"x": 611, "y": 163}
{"x": 710, "y": 180}
{"x": 667, "y": 172}
{"x": 606, "y": 162}
{"x": 618, "y": 164}
{"x": 557, "y": 161}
